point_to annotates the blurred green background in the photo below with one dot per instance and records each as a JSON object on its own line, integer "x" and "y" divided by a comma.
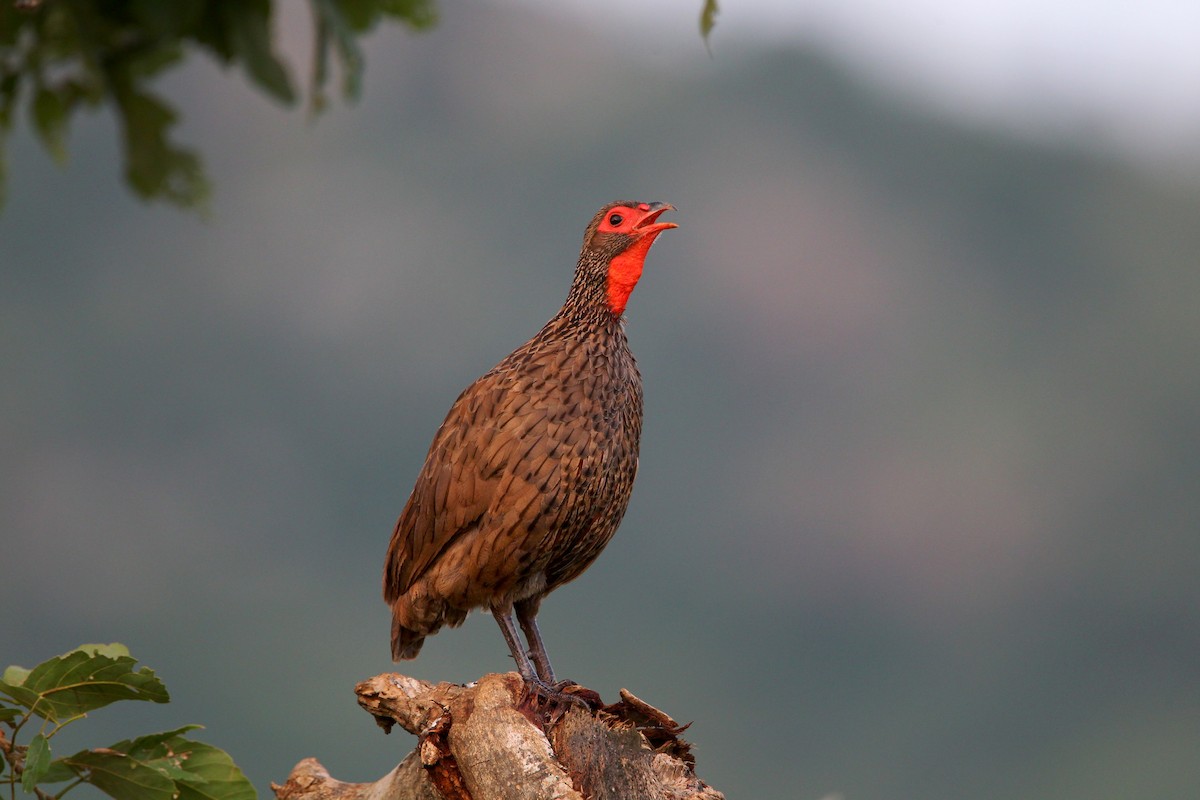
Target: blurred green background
{"x": 919, "y": 506}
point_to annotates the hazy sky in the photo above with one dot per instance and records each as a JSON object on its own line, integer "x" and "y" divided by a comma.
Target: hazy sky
{"x": 1125, "y": 70}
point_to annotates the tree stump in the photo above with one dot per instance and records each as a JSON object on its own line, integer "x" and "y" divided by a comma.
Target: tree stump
{"x": 495, "y": 740}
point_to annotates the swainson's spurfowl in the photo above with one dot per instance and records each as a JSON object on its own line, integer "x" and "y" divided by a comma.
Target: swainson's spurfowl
{"x": 530, "y": 473}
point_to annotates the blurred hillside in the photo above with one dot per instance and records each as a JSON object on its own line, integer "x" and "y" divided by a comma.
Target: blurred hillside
{"x": 917, "y": 511}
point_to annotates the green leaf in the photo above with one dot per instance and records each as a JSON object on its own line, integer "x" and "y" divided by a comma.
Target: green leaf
{"x": 9, "y": 84}
{"x": 120, "y": 776}
{"x": 112, "y": 650}
{"x": 708, "y": 18}
{"x": 216, "y": 776}
{"x": 58, "y": 772}
{"x": 80, "y": 681}
{"x": 9, "y": 714}
{"x": 149, "y": 61}
{"x": 3, "y": 172}
{"x": 159, "y": 751}
{"x": 37, "y": 762}
{"x": 331, "y": 23}
{"x": 50, "y": 119}
{"x": 249, "y": 33}
{"x": 147, "y": 767}
{"x": 418, "y": 14}
{"x": 162, "y": 20}
{"x": 15, "y": 675}
{"x": 152, "y": 751}
{"x": 360, "y": 15}
{"x": 153, "y": 166}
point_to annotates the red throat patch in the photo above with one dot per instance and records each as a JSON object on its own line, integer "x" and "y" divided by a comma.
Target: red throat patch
{"x": 625, "y": 270}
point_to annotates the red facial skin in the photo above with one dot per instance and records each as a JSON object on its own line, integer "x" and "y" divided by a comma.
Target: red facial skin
{"x": 640, "y": 224}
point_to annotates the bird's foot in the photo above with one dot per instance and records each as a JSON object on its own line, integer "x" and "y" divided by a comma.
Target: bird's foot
{"x": 560, "y": 694}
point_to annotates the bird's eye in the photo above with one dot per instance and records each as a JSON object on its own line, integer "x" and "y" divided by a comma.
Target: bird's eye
{"x": 615, "y": 220}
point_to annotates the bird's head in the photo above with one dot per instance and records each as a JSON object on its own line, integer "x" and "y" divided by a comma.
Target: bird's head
{"x": 615, "y": 247}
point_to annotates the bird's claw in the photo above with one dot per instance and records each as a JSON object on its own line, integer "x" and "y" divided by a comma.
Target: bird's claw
{"x": 555, "y": 694}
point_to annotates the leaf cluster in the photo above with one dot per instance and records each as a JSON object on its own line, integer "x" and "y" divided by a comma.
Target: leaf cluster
{"x": 61, "y": 691}
{"x": 58, "y": 56}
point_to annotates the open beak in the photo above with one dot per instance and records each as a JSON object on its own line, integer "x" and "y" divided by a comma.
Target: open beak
{"x": 649, "y": 223}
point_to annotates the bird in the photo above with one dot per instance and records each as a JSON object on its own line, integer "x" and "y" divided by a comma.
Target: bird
{"x": 531, "y": 472}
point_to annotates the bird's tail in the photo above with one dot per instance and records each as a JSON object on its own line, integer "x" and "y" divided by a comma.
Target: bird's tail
{"x": 406, "y": 643}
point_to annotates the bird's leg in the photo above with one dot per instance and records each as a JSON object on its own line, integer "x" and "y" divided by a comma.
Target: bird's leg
{"x": 504, "y": 618}
{"x": 541, "y": 681}
{"x": 527, "y": 616}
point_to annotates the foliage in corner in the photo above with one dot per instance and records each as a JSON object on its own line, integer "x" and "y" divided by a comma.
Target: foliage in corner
{"x": 59, "y": 57}
{"x": 161, "y": 766}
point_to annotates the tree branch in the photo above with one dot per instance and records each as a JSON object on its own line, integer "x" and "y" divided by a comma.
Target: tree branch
{"x": 493, "y": 740}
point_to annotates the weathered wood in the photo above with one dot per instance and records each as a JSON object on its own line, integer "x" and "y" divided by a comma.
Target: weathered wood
{"x": 310, "y": 781}
{"x": 493, "y": 740}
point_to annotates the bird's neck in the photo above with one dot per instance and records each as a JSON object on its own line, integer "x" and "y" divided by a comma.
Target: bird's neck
{"x": 588, "y": 304}
{"x": 588, "y": 315}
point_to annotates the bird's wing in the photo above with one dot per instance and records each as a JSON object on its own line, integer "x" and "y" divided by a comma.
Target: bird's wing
{"x": 470, "y": 464}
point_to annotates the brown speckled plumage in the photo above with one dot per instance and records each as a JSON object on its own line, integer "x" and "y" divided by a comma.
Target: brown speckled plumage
{"x": 532, "y": 469}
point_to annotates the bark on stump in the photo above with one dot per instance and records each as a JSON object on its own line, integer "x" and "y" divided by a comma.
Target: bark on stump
{"x": 492, "y": 740}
